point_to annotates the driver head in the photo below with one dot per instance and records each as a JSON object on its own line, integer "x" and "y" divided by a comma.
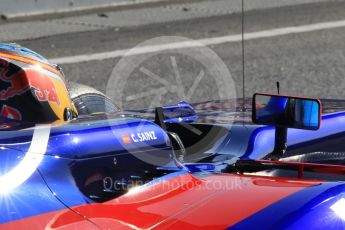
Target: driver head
{"x": 31, "y": 88}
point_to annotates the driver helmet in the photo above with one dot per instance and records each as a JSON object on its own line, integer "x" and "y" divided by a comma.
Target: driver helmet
{"x": 31, "y": 88}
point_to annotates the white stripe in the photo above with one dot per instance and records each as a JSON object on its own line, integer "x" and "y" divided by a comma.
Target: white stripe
{"x": 196, "y": 43}
{"x": 28, "y": 165}
{"x": 58, "y": 9}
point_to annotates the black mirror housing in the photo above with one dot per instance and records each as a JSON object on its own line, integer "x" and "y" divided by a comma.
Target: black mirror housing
{"x": 286, "y": 111}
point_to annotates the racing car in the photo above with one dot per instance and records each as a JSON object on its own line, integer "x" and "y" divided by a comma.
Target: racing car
{"x": 77, "y": 162}
{"x": 243, "y": 195}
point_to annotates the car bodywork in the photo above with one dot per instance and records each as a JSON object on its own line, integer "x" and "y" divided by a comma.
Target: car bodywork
{"x": 68, "y": 189}
{"x": 207, "y": 201}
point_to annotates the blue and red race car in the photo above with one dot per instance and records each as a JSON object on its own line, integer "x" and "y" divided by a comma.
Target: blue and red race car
{"x": 120, "y": 171}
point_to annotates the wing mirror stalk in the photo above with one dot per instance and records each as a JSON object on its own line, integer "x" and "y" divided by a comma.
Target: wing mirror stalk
{"x": 285, "y": 112}
{"x": 280, "y": 144}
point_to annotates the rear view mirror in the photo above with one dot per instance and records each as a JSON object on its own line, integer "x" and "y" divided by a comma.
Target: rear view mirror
{"x": 286, "y": 111}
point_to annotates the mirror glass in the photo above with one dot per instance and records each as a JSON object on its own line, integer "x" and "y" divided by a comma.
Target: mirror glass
{"x": 284, "y": 111}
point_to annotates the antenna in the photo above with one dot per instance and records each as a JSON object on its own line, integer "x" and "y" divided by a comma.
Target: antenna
{"x": 243, "y": 66}
{"x": 278, "y": 87}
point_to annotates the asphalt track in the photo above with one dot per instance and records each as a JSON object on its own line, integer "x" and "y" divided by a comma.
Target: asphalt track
{"x": 307, "y": 62}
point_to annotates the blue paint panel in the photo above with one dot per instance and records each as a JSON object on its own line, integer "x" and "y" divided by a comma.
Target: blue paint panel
{"x": 28, "y": 199}
{"x": 67, "y": 178}
{"x": 90, "y": 141}
{"x": 306, "y": 209}
{"x": 93, "y": 141}
{"x": 261, "y": 141}
{"x": 57, "y": 174}
{"x": 199, "y": 167}
{"x": 91, "y": 138}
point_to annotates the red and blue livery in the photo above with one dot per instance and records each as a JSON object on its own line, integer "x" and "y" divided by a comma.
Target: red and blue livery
{"x": 120, "y": 171}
